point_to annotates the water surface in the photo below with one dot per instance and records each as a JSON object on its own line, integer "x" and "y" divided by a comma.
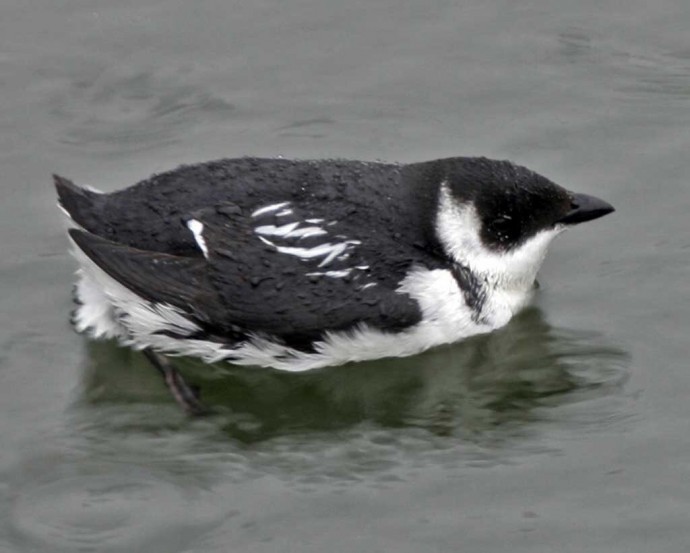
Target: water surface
{"x": 564, "y": 431}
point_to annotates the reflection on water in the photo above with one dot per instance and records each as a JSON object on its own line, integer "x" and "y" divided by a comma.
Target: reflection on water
{"x": 467, "y": 390}
{"x": 132, "y": 472}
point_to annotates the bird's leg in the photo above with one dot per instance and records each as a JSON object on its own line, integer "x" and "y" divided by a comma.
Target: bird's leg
{"x": 186, "y": 396}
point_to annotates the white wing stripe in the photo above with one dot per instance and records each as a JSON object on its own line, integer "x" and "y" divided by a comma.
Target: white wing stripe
{"x": 197, "y": 229}
{"x": 332, "y": 274}
{"x": 269, "y": 208}
{"x": 329, "y": 251}
{"x": 272, "y": 230}
{"x": 309, "y": 253}
{"x": 335, "y": 252}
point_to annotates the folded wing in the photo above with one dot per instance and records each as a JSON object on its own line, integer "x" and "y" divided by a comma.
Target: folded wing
{"x": 251, "y": 283}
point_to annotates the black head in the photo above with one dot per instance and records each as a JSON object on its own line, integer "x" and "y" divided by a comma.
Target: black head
{"x": 513, "y": 203}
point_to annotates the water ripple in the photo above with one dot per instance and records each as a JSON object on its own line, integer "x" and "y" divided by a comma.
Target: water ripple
{"x": 124, "y": 111}
{"x": 105, "y": 508}
{"x": 637, "y": 73}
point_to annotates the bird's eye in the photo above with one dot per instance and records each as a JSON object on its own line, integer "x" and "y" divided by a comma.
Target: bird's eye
{"x": 502, "y": 227}
{"x": 502, "y": 221}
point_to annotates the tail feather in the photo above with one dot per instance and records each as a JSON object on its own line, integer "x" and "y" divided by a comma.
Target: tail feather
{"x": 80, "y": 204}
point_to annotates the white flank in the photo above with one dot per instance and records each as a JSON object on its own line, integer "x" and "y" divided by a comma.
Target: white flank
{"x": 105, "y": 301}
{"x": 269, "y": 209}
{"x": 446, "y": 319}
{"x": 95, "y": 313}
{"x": 111, "y": 310}
{"x": 197, "y": 229}
{"x": 284, "y": 212}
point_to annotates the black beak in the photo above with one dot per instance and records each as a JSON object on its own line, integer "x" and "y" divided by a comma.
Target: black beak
{"x": 585, "y": 208}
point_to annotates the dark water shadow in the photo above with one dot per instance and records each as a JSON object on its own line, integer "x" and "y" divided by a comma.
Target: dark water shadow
{"x": 504, "y": 380}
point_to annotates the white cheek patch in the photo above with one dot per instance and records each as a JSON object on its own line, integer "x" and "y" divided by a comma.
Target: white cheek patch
{"x": 458, "y": 228}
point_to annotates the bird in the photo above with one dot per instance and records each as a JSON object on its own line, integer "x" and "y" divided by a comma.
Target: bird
{"x": 302, "y": 264}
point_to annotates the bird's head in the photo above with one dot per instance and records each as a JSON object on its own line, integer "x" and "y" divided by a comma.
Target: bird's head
{"x": 498, "y": 218}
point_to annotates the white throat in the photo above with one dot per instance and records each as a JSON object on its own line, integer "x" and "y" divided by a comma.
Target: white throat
{"x": 458, "y": 229}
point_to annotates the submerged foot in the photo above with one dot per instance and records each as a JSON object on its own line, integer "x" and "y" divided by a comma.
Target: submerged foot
{"x": 186, "y": 396}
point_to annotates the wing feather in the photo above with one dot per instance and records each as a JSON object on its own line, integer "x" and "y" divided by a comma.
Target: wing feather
{"x": 154, "y": 276}
{"x": 256, "y": 286}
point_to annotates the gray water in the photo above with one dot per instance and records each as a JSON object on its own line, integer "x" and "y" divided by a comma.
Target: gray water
{"x": 565, "y": 431}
